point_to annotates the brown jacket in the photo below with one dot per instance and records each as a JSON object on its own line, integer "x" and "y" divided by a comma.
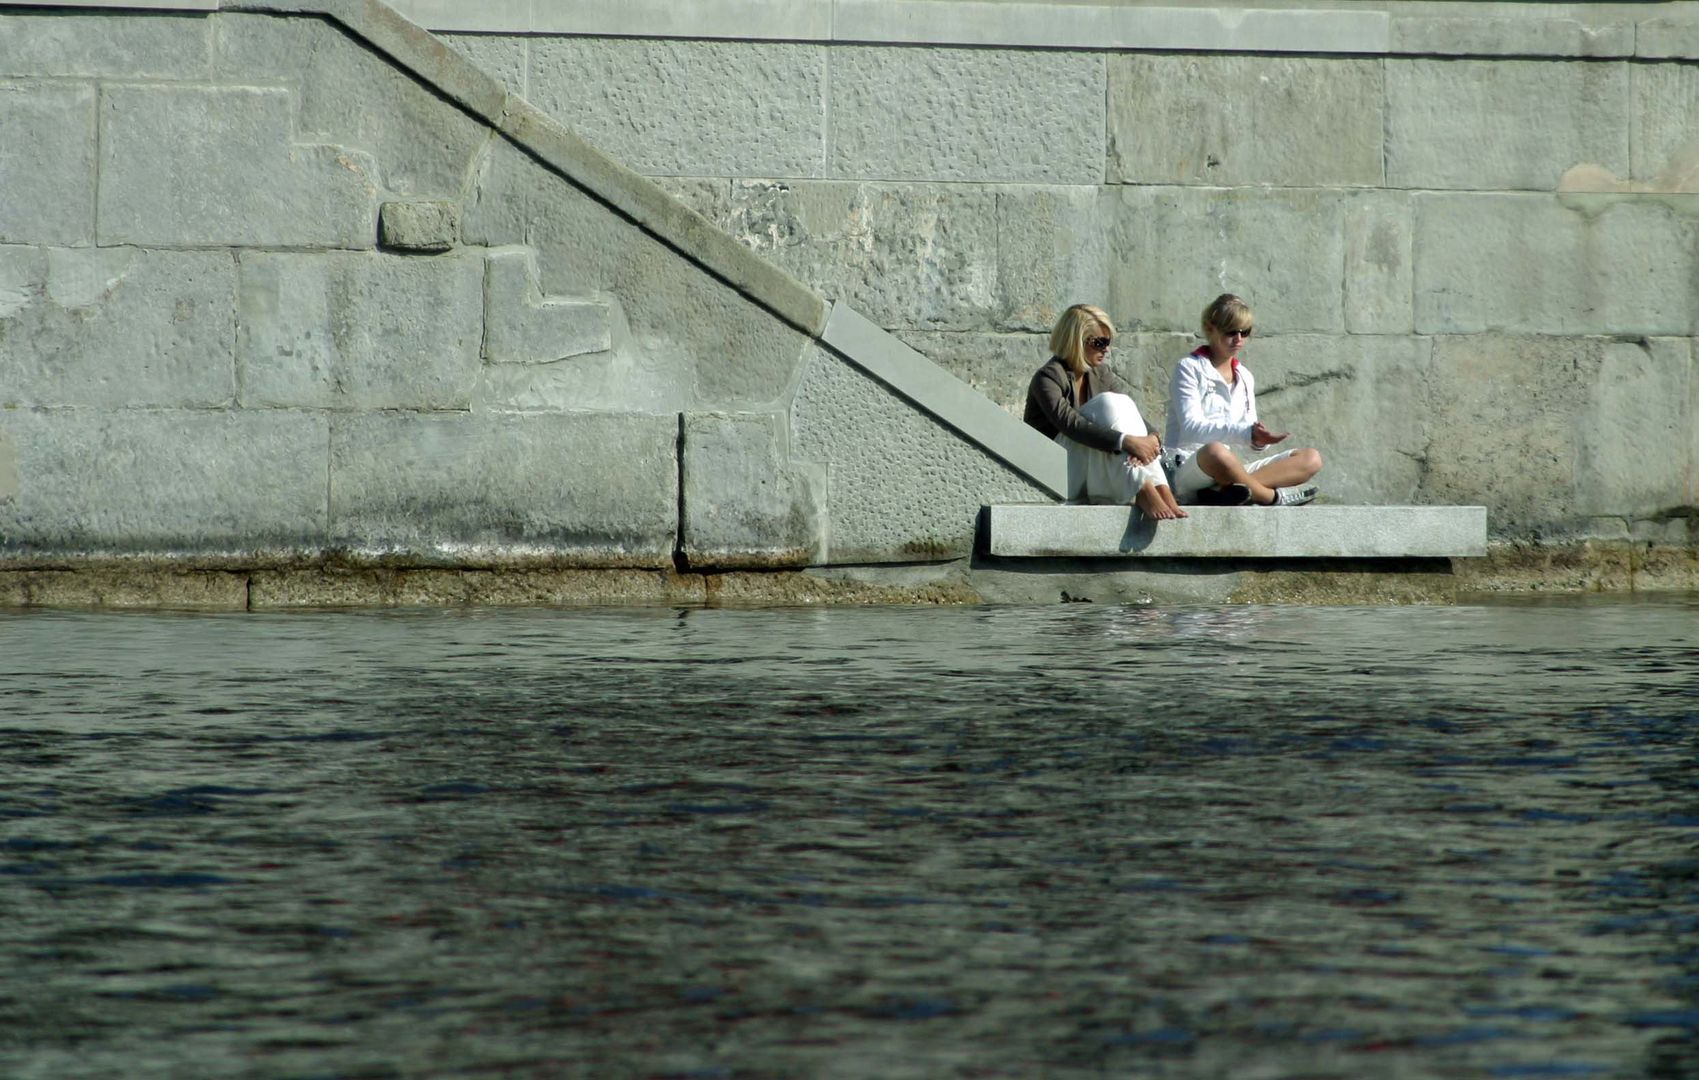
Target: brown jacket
{"x": 1051, "y": 408}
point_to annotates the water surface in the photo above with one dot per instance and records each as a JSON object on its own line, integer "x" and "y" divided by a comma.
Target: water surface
{"x": 1070, "y": 841}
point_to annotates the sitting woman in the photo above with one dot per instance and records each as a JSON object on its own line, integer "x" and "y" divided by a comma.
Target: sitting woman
{"x": 1212, "y": 408}
{"x": 1076, "y": 400}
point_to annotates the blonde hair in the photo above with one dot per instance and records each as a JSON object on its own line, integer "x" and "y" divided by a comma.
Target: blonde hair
{"x": 1076, "y": 324}
{"x": 1227, "y": 313}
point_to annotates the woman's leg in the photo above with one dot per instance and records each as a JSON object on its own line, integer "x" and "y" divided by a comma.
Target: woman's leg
{"x": 1290, "y": 469}
{"x": 1224, "y": 467}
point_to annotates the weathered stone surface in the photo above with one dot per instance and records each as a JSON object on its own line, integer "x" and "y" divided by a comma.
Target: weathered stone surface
{"x": 1504, "y": 31}
{"x": 1230, "y": 120}
{"x": 359, "y": 330}
{"x": 422, "y": 145}
{"x": 184, "y": 166}
{"x": 1552, "y": 433}
{"x": 1378, "y": 263}
{"x": 47, "y": 169}
{"x": 521, "y": 326}
{"x": 584, "y": 489}
{"x": 1177, "y": 248}
{"x": 115, "y": 327}
{"x": 1666, "y": 126}
{"x": 835, "y": 586}
{"x": 183, "y": 483}
{"x": 124, "y": 589}
{"x": 419, "y": 225}
{"x": 502, "y": 55}
{"x": 744, "y": 503}
{"x": 1516, "y": 124}
{"x": 997, "y": 365}
{"x": 1005, "y": 116}
{"x": 508, "y": 587}
{"x": 682, "y": 340}
{"x": 718, "y": 108}
{"x": 921, "y": 256}
{"x": 1362, "y": 401}
{"x": 63, "y": 45}
{"x": 1052, "y": 250}
{"x": 1668, "y": 37}
{"x": 1566, "y": 264}
{"x": 903, "y": 488}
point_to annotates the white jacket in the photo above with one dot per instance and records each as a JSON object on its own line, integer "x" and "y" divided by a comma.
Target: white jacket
{"x": 1202, "y": 408}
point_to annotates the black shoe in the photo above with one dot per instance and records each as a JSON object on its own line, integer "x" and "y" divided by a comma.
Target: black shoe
{"x": 1225, "y": 495}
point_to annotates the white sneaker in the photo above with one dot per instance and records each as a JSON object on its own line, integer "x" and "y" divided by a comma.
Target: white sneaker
{"x": 1295, "y": 496}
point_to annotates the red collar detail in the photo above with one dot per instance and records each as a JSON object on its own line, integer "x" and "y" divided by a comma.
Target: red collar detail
{"x": 1203, "y": 351}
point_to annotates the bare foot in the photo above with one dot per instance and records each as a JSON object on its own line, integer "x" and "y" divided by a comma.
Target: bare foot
{"x": 1167, "y": 495}
{"x": 1152, "y": 505}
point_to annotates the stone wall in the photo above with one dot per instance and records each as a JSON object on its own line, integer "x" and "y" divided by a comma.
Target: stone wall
{"x": 1471, "y": 232}
{"x": 295, "y": 284}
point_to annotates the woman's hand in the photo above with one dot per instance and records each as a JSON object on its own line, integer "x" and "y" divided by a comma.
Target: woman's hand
{"x": 1261, "y": 436}
{"x": 1141, "y": 448}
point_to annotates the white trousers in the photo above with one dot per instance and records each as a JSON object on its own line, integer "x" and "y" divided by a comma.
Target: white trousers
{"x": 1096, "y": 476}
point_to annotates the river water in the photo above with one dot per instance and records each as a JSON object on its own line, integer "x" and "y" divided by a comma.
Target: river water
{"x": 1067, "y": 841}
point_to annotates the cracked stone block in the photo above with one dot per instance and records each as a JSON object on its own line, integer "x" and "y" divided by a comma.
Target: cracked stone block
{"x": 522, "y": 326}
{"x": 359, "y": 330}
{"x": 196, "y": 165}
{"x": 419, "y": 225}
{"x": 116, "y": 327}
{"x": 47, "y": 168}
{"x": 745, "y": 505}
{"x": 592, "y": 489}
{"x": 167, "y": 482}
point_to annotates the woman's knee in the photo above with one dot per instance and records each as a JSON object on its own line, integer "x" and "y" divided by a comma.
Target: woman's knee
{"x": 1310, "y": 459}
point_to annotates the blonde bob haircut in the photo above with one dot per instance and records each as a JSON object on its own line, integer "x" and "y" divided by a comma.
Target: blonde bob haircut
{"x": 1076, "y": 324}
{"x": 1227, "y": 313}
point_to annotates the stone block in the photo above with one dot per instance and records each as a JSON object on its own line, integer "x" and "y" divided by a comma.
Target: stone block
{"x": 1174, "y": 249}
{"x": 997, "y": 365}
{"x": 1511, "y": 124}
{"x": 717, "y": 108}
{"x": 911, "y": 256}
{"x": 1668, "y": 37}
{"x": 744, "y": 505}
{"x": 186, "y": 166}
{"x": 502, "y": 55}
{"x": 689, "y": 341}
{"x": 1256, "y": 532}
{"x": 1564, "y": 264}
{"x": 47, "y": 170}
{"x": 422, "y": 145}
{"x": 355, "y": 330}
{"x": 419, "y": 225}
{"x": 1666, "y": 127}
{"x": 1232, "y": 120}
{"x": 521, "y": 326}
{"x": 1630, "y": 437}
{"x": 585, "y": 489}
{"x": 1427, "y": 30}
{"x": 902, "y": 487}
{"x": 1052, "y": 251}
{"x": 997, "y": 115}
{"x": 1378, "y": 263}
{"x": 111, "y": 46}
{"x": 1362, "y": 401}
{"x": 171, "y": 482}
{"x": 124, "y": 589}
{"x": 116, "y": 327}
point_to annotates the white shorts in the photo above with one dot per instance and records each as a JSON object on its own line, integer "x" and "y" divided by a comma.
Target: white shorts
{"x": 1186, "y": 477}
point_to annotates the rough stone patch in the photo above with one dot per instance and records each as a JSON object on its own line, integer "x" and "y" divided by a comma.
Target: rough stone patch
{"x": 1230, "y": 120}
{"x": 1665, "y": 120}
{"x": 419, "y": 225}
{"x": 315, "y": 587}
{"x": 966, "y": 114}
{"x": 353, "y": 330}
{"x": 47, "y": 168}
{"x": 745, "y": 505}
{"x": 1503, "y": 124}
{"x": 503, "y": 56}
{"x": 172, "y": 483}
{"x": 721, "y": 109}
{"x": 116, "y": 327}
{"x": 583, "y": 489}
{"x": 125, "y": 590}
{"x": 1565, "y": 264}
{"x": 1052, "y": 251}
{"x": 193, "y": 165}
{"x": 903, "y": 487}
{"x": 63, "y": 45}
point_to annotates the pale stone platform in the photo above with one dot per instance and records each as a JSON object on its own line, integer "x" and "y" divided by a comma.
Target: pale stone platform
{"x": 1248, "y": 532}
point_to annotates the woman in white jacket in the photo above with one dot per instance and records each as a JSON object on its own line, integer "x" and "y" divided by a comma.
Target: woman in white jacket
{"x": 1212, "y": 413}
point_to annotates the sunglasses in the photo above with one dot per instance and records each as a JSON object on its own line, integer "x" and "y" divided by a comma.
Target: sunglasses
{"x": 1098, "y": 343}
{"x": 1236, "y": 333}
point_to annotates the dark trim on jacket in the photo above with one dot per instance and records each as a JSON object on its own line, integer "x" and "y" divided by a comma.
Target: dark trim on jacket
{"x": 1051, "y": 408}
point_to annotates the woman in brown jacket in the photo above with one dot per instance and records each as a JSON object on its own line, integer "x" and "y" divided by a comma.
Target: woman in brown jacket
{"x": 1077, "y": 400}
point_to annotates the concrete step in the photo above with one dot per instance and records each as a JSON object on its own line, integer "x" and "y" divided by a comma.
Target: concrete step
{"x": 1241, "y": 532}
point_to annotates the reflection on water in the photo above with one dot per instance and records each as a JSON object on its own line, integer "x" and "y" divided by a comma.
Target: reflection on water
{"x": 1223, "y": 842}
